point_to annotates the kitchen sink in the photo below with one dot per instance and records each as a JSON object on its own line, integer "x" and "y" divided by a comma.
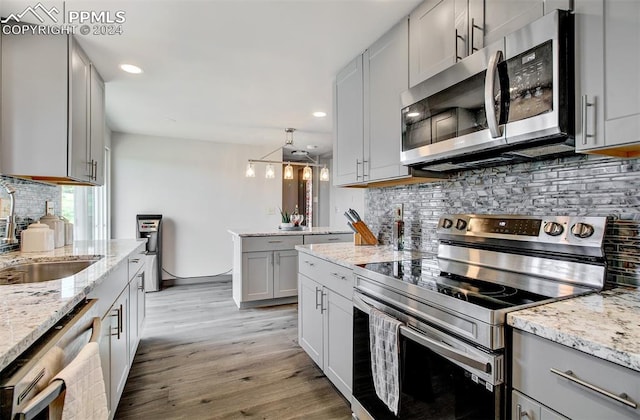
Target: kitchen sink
{"x": 36, "y": 272}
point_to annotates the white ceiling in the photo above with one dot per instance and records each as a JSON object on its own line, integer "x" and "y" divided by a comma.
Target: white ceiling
{"x": 236, "y": 71}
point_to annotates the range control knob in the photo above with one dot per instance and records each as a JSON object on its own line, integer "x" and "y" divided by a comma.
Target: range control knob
{"x": 582, "y": 230}
{"x": 447, "y": 223}
{"x": 553, "y": 228}
{"x": 461, "y": 224}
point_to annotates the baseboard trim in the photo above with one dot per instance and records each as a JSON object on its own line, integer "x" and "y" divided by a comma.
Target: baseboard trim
{"x": 195, "y": 280}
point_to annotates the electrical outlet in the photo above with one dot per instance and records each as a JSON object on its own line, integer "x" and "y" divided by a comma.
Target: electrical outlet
{"x": 399, "y": 212}
{"x": 271, "y": 211}
{"x": 49, "y": 207}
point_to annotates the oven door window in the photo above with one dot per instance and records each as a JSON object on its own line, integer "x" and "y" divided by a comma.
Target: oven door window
{"x": 431, "y": 385}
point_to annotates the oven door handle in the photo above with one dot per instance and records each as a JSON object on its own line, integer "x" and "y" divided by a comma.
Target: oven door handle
{"x": 359, "y": 301}
{"x": 444, "y": 349}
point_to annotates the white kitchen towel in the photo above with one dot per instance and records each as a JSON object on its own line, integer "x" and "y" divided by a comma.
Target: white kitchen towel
{"x": 85, "y": 396}
{"x": 385, "y": 348}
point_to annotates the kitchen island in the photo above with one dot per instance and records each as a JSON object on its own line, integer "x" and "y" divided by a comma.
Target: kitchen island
{"x": 28, "y": 311}
{"x": 265, "y": 262}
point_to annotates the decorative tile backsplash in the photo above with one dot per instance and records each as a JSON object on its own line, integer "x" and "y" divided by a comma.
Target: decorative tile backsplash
{"x": 30, "y": 198}
{"x": 576, "y": 185}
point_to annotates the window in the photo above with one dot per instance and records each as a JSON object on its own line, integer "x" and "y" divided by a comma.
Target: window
{"x": 88, "y": 208}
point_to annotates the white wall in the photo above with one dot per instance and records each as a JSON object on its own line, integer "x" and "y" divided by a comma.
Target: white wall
{"x": 201, "y": 191}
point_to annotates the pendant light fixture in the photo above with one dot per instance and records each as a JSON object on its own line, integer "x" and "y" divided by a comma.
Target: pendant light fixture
{"x": 324, "y": 173}
{"x": 270, "y": 173}
{"x": 307, "y": 174}
{"x": 288, "y": 171}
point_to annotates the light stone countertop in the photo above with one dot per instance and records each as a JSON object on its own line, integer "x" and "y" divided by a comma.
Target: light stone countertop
{"x": 347, "y": 254}
{"x": 605, "y": 325}
{"x": 27, "y": 311}
{"x": 277, "y": 232}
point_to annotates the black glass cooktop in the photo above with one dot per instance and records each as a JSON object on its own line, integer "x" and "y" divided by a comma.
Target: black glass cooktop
{"x": 426, "y": 273}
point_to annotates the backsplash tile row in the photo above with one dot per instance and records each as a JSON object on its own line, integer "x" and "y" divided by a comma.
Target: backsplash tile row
{"x": 577, "y": 185}
{"x": 30, "y": 200}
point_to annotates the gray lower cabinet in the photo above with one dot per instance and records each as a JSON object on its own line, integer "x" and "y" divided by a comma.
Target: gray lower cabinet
{"x": 607, "y": 82}
{"x": 121, "y": 303}
{"x": 551, "y": 381}
{"x": 325, "y": 323}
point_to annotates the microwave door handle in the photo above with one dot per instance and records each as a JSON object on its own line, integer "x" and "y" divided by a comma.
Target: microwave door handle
{"x": 489, "y": 87}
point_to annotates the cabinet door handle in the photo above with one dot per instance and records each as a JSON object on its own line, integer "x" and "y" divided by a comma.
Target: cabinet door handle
{"x": 363, "y": 166}
{"x": 318, "y": 303}
{"x": 277, "y": 257}
{"x": 141, "y": 284}
{"x": 322, "y": 295}
{"x": 95, "y": 170}
{"x": 473, "y": 28}
{"x": 458, "y": 58}
{"x": 358, "y": 163}
{"x": 622, "y": 398}
{"x": 521, "y": 414}
{"x": 117, "y": 314}
{"x": 585, "y": 109}
{"x": 120, "y": 317}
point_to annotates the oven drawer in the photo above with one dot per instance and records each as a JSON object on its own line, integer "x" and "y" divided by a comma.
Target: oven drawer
{"x": 571, "y": 382}
{"x": 270, "y": 243}
{"x": 331, "y": 275}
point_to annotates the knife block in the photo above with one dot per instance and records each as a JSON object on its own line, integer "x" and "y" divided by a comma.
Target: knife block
{"x": 363, "y": 239}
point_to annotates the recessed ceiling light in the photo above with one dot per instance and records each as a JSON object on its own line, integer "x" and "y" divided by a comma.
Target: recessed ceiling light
{"x": 312, "y": 146}
{"x": 413, "y": 114}
{"x": 130, "y": 68}
{"x": 319, "y": 114}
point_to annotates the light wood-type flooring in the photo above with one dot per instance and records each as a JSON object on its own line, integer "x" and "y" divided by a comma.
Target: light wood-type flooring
{"x": 202, "y": 358}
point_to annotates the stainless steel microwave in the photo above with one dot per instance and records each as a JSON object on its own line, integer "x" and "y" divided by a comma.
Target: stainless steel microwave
{"x": 511, "y": 101}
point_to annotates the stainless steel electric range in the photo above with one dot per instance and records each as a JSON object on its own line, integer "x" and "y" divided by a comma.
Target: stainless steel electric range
{"x": 454, "y": 308}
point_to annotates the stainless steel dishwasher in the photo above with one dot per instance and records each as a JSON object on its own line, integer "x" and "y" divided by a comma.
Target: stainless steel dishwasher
{"x": 25, "y": 391}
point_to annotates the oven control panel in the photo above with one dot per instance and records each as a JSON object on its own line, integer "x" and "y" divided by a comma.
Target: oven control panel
{"x": 582, "y": 230}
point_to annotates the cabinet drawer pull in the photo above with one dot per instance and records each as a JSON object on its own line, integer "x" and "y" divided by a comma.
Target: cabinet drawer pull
{"x": 622, "y": 398}
{"x": 134, "y": 260}
{"x": 275, "y": 242}
{"x": 333, "y": 239}
{"x": 521, "y": 414}
{"x": 338, "y": 276}
{"x": 309, "y": 263}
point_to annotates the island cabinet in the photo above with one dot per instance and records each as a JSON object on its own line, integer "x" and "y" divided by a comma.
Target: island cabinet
{"x": 53, "y": 113}
{"x": 607, "y": 62}
{"x": 265, "y": 268}
{"x": 325, "y": 318}
{"x": 553, "y": 381}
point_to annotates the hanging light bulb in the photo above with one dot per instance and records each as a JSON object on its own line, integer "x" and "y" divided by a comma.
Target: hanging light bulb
{"x": 324, "y": 173}
{"x": 306, "y": 173}
{"x": 251, "y": 171}
{"x": 288, "y": 171}
{"x": 270, "y": 172}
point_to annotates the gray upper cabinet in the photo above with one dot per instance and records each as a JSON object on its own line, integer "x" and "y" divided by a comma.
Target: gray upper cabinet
{"x": 349, "y": 136}
{"x": 52, "y": 111}
{"x": 443, "y": 32}
{"x": 368, "y": 120}
{"x": 607, "y": 83}
{"x": 437, "y": 37}
{"x": 386, "y": 75}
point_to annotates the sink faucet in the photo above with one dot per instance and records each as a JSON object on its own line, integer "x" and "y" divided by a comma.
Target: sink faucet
{"x": 10, "y": 233}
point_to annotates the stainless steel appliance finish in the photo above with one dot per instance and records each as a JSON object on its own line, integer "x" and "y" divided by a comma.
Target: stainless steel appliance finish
{"x": 149, "y": 226}
{"x": 454, "y": 306}
{"x": 23, "y": 385}
{"x": 509, "y": 102}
